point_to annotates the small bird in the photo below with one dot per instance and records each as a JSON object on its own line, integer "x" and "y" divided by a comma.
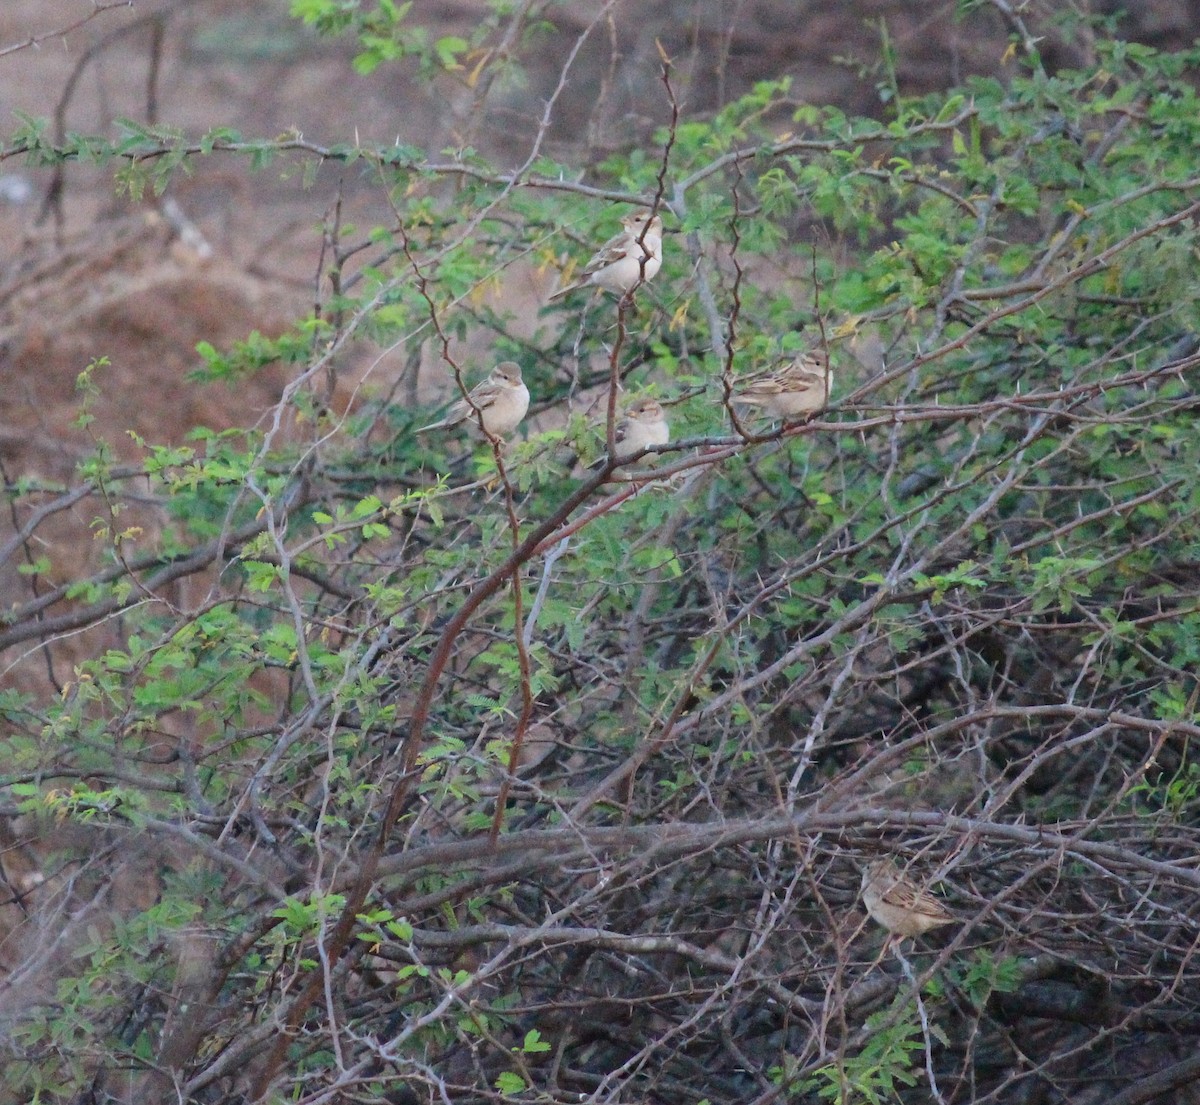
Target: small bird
{"x": 617, "y": 266}
{"x": 643, "y": 424}
{"x": 500, "y": 402}
{"x": 898, "y": 904}
{"x": 797, "y": 388}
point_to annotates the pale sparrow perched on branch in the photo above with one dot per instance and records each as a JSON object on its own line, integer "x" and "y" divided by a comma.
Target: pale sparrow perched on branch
{"x": 798, "y": 388}
{"x": 499, "y": 402}
{"x": 897, "y": 903}
{"x": 618, "y": 264}
{"x": 642, "y": 425}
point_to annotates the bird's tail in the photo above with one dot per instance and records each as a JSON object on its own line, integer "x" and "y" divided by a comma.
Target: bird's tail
{"x": 564, "y": 292}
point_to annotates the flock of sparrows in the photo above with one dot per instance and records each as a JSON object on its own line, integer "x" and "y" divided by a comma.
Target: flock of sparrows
{"x": 791, "y": 391}
{"x": 625, "y": 261}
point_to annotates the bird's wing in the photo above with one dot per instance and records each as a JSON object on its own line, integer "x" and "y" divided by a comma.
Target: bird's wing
{"x": 800, "y": 381}
{"x": 906, "y": 895}
{"x": 614, "y": 250}
{"x": 756, "y": 388}
{"x": 482, "y": 396}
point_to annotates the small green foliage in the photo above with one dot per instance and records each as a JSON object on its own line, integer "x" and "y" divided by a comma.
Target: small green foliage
{"x": 1062, "y": 581}
{"x": 303, "y": 918}
{"x": 383, "y": 34}
{"x": 982, "y": 974}
{"x": 510, "y": 1084}
{"x": 888, "y": 1060}
{"x": 533, "y": 1043}
{"x": 1175, "y": 793}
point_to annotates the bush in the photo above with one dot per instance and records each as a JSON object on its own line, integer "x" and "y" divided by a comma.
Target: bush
{"x": 514, "y": 778}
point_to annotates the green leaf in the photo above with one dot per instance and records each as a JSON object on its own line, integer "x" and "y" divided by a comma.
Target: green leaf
{"x": 533, "y": 1043}
{"x": 510, "y": 1084}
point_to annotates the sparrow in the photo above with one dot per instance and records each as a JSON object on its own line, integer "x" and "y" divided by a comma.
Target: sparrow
{"x": 617, "y": 265}
{"x": 800, "y": 387}
{"x": 898, "y": 904}
{"x": 499, "y": 402}
{"x": 642, "y": 425}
